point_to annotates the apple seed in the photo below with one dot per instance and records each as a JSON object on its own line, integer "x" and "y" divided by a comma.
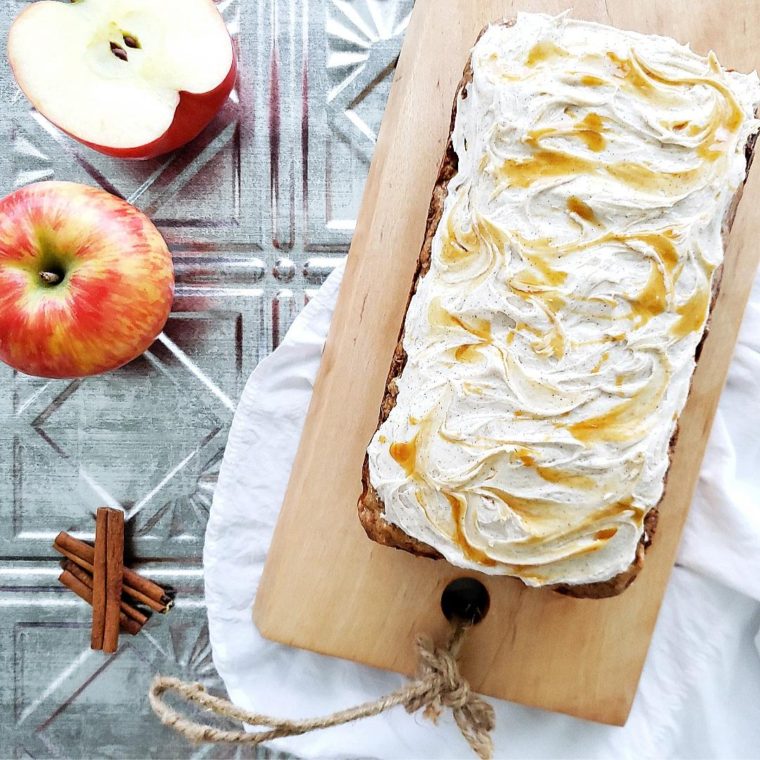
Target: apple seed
{"x": 119, "y": 51}
{"x": 130, "y": 41}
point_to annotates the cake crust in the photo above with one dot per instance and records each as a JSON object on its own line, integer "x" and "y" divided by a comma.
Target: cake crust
{"x": 371, "y": 508}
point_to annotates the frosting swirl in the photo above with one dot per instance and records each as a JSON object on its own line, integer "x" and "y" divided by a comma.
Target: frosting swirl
{"x": 551, "y": 345}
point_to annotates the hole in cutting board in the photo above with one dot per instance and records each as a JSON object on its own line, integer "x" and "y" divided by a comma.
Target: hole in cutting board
{"x": 465, "y": 599}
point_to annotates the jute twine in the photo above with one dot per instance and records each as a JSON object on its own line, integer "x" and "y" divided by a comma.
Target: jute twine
{"x": 438, "y": 684}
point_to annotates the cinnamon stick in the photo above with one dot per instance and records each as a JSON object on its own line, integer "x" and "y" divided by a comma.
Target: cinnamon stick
{"x": 83, "y": 591}
{"x": 86, "y": 578}
{"x": 148, "y": 601}
{"x": 114, "y": 577}
{"x": 139, "y": 588}
{"x": 74, "y": 558}
{"x": 99, "y": 580}
{"x": 136, "y": 595}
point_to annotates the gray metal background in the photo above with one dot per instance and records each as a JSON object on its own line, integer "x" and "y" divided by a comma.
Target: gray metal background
{"x": 257, "y": 211}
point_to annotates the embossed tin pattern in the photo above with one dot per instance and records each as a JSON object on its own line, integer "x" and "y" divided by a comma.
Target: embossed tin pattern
{"x": 257, "y": 211}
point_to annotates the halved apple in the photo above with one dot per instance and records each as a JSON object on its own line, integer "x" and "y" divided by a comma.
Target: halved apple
{"x": 129, "y": 78}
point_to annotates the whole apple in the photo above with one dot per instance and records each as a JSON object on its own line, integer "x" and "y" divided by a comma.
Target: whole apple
{"x": 86, "y": 280}
{"x": 129, "y": 78}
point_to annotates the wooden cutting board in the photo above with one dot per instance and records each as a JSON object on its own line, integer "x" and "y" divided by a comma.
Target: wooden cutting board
{"x": 326, "y": 587}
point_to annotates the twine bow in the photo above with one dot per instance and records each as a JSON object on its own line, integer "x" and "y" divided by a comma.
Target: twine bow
{"x": 438, "y": 684}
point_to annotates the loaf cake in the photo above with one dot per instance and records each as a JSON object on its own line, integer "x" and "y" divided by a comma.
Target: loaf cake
{"x": 572, "y": 256}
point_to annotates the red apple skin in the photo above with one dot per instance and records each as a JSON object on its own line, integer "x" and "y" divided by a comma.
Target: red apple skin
{"x": 194, "y": 112}
{"x": 116, "y": 289}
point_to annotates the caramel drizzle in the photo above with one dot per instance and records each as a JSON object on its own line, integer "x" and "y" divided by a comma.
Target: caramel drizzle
{"x": 469, "y": 353}
{"x": 692, "y": 314}
{"x": 405, "y": 455}
{"x": 602, "y": 359}
{"x": 734, "y": 115}
{"x": 652, "y": 300}
{"x": 438, "y": 316}
{"x": 643, "y": 80}
{"x": 589, "y": 80}
{"x": 548, "y": 163}
{"x": 458, "y": 506}
{"x": 576, "y": 206}
{"x": 640, "y": 78}
{"x": 541, "y": 280}
{"x": 535, "y": 513}
{"x": 544, "y": 164}
{"x": 590, "y": 130}
{"x": 543, "y": 51}
{"x": 624, "y": 421}
{"x": 553, "y": 474}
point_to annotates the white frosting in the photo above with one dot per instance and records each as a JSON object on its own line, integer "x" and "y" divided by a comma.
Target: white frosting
{"x": 551, "y": 345}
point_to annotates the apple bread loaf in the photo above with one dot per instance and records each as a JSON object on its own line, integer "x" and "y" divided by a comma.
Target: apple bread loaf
{"x": 564, "y": 287}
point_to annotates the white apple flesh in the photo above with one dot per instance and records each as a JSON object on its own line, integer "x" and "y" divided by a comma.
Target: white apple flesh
{"x": 130, "y": 78}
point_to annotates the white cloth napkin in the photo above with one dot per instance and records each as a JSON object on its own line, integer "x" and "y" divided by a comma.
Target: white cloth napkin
{"x": 699, "y": 694}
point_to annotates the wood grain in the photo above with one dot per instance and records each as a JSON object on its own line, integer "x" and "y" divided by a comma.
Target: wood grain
{"x": 326, "y": 587}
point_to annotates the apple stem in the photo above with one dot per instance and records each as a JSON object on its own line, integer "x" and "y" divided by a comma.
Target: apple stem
{"x": 50, "y": 278}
